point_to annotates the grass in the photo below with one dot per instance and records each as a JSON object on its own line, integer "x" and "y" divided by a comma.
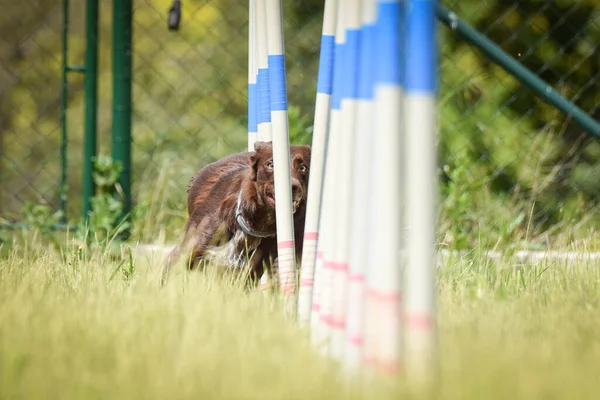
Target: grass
{"x": 95, "y": 325}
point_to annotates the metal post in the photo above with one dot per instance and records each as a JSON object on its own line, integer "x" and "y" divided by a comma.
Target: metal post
{"x": 121, "y": 112}
{"x": 63, "y": 113}
{"x": 518, "y": 70}
{"x": 91, "y": 98}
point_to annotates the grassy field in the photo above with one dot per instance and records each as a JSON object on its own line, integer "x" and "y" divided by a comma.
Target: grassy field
{"x": 90, "y": 325}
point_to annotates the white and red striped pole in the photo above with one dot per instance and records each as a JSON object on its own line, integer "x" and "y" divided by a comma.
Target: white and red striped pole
{"x": 338, "y": 260}
{"x": 363, "y": 140}
{"x": 383, "y": 330}
{"x": 421, "y": 189}
{"x": 323, "y": 323}
{"x": 281, "y": 153}
{"x": 308, "y": 299}
{"x": 263, "y": 99}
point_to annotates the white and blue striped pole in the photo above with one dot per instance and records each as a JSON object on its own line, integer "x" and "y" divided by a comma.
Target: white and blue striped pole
{"x": 322, "y": 326}
{"x": 345, "y": 161}
{"x": 264, "y": 105}
{"x": 263, "y": 97}
{"x": 383, "y": 333}
{"x": 363, "y": 140}
{"x": 281, "y": 154}
{"x": 421, "y": 189}
{"x": 252, "y": 72}
{"x": 308, "y": 298}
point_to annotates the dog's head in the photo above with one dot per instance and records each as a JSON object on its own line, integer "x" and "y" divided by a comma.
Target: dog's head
{"x": 262, "y": 172}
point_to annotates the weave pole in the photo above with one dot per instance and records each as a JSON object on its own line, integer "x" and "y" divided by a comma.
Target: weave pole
{"x": 421, "y": 188}
{"x": 322, "y": 322}
{"x": 252, "y": 75}
{"x": 259, "y": 111}
{"x": 318, "y": 154}
{"x": 383, "y": 330}
{"x": 338, "y": 260}
{"x": 362, "y": 158}
{"x": 286, "y": 257}
{"x": 372, "y": 178}
{"x": 264, "y": 103}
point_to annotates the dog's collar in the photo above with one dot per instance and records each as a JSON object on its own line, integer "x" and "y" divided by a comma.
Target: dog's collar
{"x": 244, "y": 225}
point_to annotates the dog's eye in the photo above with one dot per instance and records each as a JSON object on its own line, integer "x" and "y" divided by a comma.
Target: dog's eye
{"x": 302, "y": 168}
{"x": 270, "y": 164}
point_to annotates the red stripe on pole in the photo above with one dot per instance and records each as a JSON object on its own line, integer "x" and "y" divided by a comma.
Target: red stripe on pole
{"x": 356, "y": 340}
{"x": 419, "y": 321}
{"x": 356, "y": 277}
{"x": 333, "y": 322}
{"x": 336, "y": 266}
{"x": 311, "y": 235}
{"x": 389, "y": 368}
{"x": 285, "y": 244}
{"x": 384, "y": 296}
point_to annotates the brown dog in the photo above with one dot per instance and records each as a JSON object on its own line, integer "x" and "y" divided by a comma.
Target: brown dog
{"x": 231, "y": 210}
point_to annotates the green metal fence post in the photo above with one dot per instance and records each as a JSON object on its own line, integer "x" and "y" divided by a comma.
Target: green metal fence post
{"x": 91, "y": 98}
{"x": 63, "y": 113}
{"x": 121, "y": 112}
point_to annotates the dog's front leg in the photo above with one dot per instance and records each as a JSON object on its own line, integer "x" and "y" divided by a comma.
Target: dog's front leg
{"x": 265, "y": 264}
{"x": 256, "y": 268}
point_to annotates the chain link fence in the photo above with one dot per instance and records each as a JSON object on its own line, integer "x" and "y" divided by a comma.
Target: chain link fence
{"x": 29, "y": 104}
{"x": 512, "y": 168}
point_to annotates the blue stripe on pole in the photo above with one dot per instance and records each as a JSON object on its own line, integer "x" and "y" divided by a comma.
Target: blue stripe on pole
{"x": 277, "y": 82}
{"x": 389, "y": 69}
{"x": 338, "y": 75}
{"x": 252, "y": 107}
{"x": 264, "y": 111}
{"x": 325, "y": 81}
{"x": 350, "y": 85}
{"x": 421, "y": 47}
{"x": 366, "y": 62}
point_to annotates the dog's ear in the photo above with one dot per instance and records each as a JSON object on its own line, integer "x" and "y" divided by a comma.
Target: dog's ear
{"x": 260, "y": 146}
{"x": 253, "y": 161}
{"x": 302, "y": 149}
{"x": 305, "y": 151}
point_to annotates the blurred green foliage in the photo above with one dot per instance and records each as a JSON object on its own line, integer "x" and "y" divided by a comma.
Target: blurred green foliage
{"x": 512, "y": 168}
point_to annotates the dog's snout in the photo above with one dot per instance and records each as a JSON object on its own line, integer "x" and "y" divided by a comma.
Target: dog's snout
{"x": 296, "y": 188}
